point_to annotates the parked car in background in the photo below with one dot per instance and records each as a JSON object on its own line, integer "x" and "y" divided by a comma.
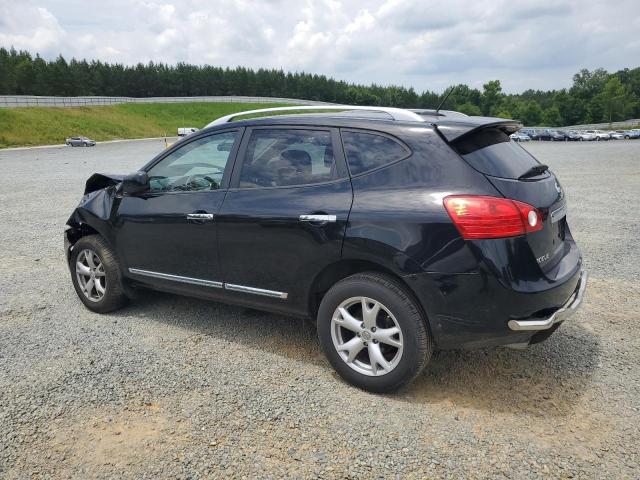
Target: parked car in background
{"x": 550, "y": 135}
{"x": 520, "y": 137}
{"x": 80, "y": 142}
{"x": 616, "y": 134}
{"x": 586, "y": 135}
{"x": 569, "y": 135}
{"x": 184, "y": 131}
{"x": 599, "y": 134}
{"x": 293, "y": 214}
{"x": 530, "y": 132}
{"x": 635, "y": 133}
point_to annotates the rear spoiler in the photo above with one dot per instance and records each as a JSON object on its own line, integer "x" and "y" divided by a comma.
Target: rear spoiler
{"x": 453, "y": 130}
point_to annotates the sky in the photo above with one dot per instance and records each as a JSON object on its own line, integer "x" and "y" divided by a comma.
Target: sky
{"x": 424, "y": 44}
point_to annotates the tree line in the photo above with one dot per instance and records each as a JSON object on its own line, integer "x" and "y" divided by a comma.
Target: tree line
{"x": 596, "y": 96}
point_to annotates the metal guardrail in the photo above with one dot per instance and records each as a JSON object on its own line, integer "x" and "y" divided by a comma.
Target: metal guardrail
{"x": 14, "y": 101}
{"x": 632, "y": 122}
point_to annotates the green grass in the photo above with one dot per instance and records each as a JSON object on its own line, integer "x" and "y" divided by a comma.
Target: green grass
{"x": 46, "y": 126}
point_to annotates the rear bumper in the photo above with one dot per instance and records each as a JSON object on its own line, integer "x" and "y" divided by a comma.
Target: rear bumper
{"x": 474, "y": 310}
{"x": 560, "y": 315}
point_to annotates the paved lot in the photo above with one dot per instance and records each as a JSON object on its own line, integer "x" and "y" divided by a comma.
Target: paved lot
{"x": 174, "y": 387}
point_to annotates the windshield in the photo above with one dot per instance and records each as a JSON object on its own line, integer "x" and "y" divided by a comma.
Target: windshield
{"x": 492, "y": 152}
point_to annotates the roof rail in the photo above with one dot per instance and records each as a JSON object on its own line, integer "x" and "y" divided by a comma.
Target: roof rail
{"x": 397, "y": 114}
{"x": 439, "y": 113}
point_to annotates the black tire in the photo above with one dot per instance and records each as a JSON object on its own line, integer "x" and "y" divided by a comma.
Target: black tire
{"x": 114, "y": 296}
{"x": 417, "y": 343}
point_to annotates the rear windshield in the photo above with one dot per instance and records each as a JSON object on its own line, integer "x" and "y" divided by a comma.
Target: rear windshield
{"x": 492, "y": 152}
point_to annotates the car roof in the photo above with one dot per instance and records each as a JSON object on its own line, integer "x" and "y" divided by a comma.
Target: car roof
{"x": 451, "y": 125}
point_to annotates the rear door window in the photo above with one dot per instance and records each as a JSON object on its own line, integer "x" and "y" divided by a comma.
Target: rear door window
{"x": 492, "y": 152}
{"x": 283, "y": 157}
{"x": 367, "y": 151}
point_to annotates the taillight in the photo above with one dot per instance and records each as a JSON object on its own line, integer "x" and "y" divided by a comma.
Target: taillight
{"x": 477, "y": 216}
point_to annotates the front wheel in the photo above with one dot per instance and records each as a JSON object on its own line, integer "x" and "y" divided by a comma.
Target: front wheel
{"x": 96, "y": 275}
{"x": 373, "y": 333}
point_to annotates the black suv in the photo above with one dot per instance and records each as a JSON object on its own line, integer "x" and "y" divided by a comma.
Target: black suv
{"x": 399, "y": 232}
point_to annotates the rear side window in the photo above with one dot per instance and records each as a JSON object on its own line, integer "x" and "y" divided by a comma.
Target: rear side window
{"x": 281, "y": 157}
{"x": 492, "y": 152}
{"x": 366, "y": 151}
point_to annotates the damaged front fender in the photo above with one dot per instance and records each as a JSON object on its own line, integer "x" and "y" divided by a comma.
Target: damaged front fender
{"x": 95, "y": 211}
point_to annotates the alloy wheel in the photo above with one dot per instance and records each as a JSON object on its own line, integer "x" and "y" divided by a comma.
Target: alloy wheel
{"x": 367, "y": 336}
{"x": 91, "y": 275}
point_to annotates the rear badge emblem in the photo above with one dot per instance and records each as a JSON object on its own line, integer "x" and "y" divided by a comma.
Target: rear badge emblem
{"x": 543, "y": 258}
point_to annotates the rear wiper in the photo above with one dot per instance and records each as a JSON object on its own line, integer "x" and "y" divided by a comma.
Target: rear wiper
{"x": 534, "y": 171}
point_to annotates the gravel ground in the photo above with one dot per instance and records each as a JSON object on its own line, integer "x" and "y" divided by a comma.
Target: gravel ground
{"x": 175, "y": 387}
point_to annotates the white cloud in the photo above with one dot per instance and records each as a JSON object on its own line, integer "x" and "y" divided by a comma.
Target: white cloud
{"x": 427, "y": 44}
{"x": 30, "y": 27}
{"x": 363, "y": 21}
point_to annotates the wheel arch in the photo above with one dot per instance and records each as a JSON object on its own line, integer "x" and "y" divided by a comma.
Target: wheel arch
{"x": 81, "y": 224}
{"x": 344, "y": 268}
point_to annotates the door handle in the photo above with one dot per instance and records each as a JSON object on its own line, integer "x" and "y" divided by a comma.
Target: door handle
{"x": 200, "y": 217}
{"x": 318, "y": 218}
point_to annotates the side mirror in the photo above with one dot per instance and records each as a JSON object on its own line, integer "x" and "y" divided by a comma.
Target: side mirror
{"x": 135, "y": 183}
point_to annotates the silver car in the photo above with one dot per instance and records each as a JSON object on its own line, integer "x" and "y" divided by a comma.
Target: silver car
{"x": 80, "y": 142}
{"x": 520, "y": 137}
{"x": 635, "y": 133}
{"x": 616, "y": 135}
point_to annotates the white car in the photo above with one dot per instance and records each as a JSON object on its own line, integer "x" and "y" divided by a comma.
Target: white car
{"x": 587, "y": 135}
{"x": 184, "y": 131}
{"x": 600, "y": 135}
{"x": 520, "y": 137}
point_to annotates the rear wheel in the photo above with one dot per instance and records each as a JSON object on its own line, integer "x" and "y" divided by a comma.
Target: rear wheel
{"x": 96, "y": 275}
{"x": 373, "y": 333}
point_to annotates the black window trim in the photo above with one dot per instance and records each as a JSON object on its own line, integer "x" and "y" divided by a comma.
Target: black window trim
{"x": 404, "y": 146}
{"x": 338, "y": 154}
{"x": 228, "y": 169}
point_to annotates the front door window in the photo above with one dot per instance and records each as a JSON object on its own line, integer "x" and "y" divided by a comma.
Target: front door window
{"x": 196, "y": 166}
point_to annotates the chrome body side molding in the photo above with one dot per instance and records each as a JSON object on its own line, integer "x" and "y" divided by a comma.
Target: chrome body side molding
{"x": 176, "y": 278}
{"x": 255, "y": 291}
{"x": 210, "y": 283}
